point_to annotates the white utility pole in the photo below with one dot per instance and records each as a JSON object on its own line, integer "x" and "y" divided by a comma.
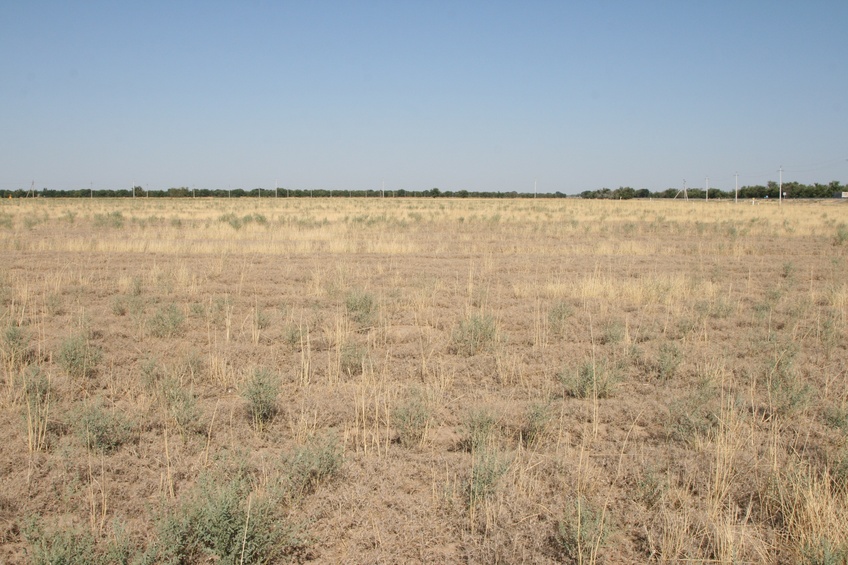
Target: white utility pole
{"x": 275, "y": 189}
{"x": 534, "y": 187}
{"x": 736, "y": 194}
{"x": 707, "y": 195}
{"x": 780, "y": 186}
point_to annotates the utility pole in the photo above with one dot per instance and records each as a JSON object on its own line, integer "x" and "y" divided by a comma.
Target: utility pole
{"x": 736, "y": 194}
{"x": 780, "y": 186}
{"x": 707, "y": 195}
{"x": 534, "y": 188}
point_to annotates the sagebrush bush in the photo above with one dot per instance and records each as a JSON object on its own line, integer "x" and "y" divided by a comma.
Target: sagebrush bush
{"x": 474, "y": 334}
{"x": 261, "y": 392}
{"x": 78, "y": 357}
{"x": 227, "y": 523}
{"x": 166, "y": 322}
{"x": 479, "y": 428}
{"x": 581, "y": 532}
{"x": 102, "y": 430}
{"x": 312, "y": 464}
{"x": 591, "y": 380}
{"x": 487, "y": 468}
{"x": 411, "y": 420}
{"x": 361, "y": 307}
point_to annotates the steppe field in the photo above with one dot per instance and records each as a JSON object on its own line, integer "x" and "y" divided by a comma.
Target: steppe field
{"x": 423, "y": 381}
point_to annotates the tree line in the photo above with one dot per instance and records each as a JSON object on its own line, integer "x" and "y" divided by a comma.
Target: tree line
{"x": 770, "y": 190}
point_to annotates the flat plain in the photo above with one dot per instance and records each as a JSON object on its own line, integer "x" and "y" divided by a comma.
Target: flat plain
{"x": 423, "y": 380}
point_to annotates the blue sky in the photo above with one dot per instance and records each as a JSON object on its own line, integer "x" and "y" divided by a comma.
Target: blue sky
{"x": 455, "y": 95}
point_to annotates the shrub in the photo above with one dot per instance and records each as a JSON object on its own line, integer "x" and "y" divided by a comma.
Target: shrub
{"x": 361, "y": 307}
{"x": 479, "y": 428}
{"x": 558, "y": 318}
{"x": 78, "y": 357}
{"x": 223, "y": 523}
{"x": 669, "y": 360}
{"x": 261, "y": 395}
{"x": 581, "y": 532}
{"x": 590, "y": 380}
{"x": 474, "y": 334}
{"x": 309, "y": 466}
{"x": 352, "y": 358}
{"x": 536, "y": 419}
{"x": 102, "y": 430}
{"x": 111, "y": 220}
{"x": 488, "y": 466}
{"x": 411, "y": 420}
{"x": 16, "y": 352}
{"x": 181, "y": 405}
{"x": 166, "y": 322}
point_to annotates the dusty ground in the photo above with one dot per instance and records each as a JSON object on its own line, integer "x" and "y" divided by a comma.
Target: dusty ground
{"x": 451, "y": 381}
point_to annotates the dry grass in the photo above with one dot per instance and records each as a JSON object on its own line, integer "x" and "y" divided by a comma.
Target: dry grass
{"x": 448, "y": 381}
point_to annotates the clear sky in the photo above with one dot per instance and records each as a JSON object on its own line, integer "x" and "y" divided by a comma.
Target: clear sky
{"x": 457, "y": 95}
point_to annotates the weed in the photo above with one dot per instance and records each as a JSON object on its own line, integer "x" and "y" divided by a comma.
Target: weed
{"x": 693, "y": 415}
{"x": 558, "y": 318}
{"x": 589, "y": 381}
{"x": 223, "y": 523}
{"x": 352, "y": 359}
{"x": 261, "y": 395}
{"x": 787, "y": 393}
{"x": 581, "y": 532}
{"x": 487, "y": 468}
{"x": 537, "y": 417}
{"x": 411, "y": 420}
{"x": 102, "y": 430}
{"x": 6, "y": 220}
{"x": 839, "y": 238}
{"x": 312, "y": 464}
{"x": 822, "y": 551}
{"x": 78, "y": 357}
{"x": 111, "y": 220}
{"x": 53, "y": 304}
{"x": 16, "y": 351}
{"x": 479, "y": 426}
{"x": 669, "y": 360}
{"x": 119, "y": 306}
{"x": 181, "y": 405}
{"x": 474, "y": 334}
{"x": 166, "y": 322}
{"x": 612, "y": 332}
{"x": 59, "y": 546}
{"x": 37, "y": 396}
{"x": 361, "y": 306}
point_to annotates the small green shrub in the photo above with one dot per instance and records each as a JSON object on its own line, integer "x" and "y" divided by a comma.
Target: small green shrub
{"x": 111, "y": 220}
{"x": 261, "y": 393}
{"x": 581, "y": 532}
{"x": 166, "y": 322}
{"x": 78, "y": 357}
{"x": 352, "y": 358}
{"x": 479, "y": 428}
{"x": 488, "y": 466}
{"x": 225, "y": 523}
{"x": 60, "y": 546}
{"x": 694, "y": 415}
{"x": 474, "y": 334}
{"x": 16, "y": 351}
{"x": 839, "y": 238}
{"x": 669, "y": 360}
{"x": 612, "y": 332}
{"x": 411, "y": 420}
{"x": 102, "y": 430}
{"x": 589, "y": 381}
{"x": 537, "y": 417}
{"x": 312, "y": 464}
{"x": 181, "y": 405}
{"x": 558, "y": 318}
{"x": 361, "y": 307}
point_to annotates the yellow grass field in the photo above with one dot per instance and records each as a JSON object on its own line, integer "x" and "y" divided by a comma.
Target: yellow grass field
{"x": 423, "y": 380}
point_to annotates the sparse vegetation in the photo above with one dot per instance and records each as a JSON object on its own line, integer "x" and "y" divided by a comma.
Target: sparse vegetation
{"x": 541, "y": 381}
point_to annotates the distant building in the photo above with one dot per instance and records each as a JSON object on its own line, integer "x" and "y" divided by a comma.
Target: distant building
{"x": 841, "y": 195}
